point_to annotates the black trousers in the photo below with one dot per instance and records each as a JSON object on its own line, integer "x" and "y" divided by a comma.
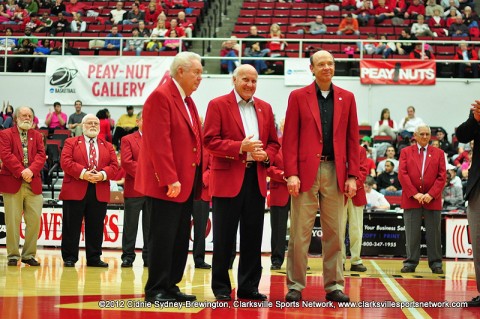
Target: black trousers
{"x": 73, "y": 213}
{"x": 131, "y": 215}
{"x": 200, "y": 213}
{"x": 167, "y": 244}
{"x": 248, "y": 208}
{"x": 278, "y": 222}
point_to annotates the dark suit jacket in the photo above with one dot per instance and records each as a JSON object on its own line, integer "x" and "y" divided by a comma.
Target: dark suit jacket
{"x": 303, "y": 141}
{"x": 11, "y": 154}
{"x": 410, "y": 176}
{"x": 467, "y": 131}
{"x": 169, "y": 146}
{"x": 223, "y": 137}
{"x": 130, "y": 150}
{"x": 279, "y": 195}
{"x": 74, "y": 159}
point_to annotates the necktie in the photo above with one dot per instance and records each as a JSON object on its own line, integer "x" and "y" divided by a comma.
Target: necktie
{"x": 92, "y": 157}
{"x": 422, "y": 158}
{"x": 25, "y": 148}
{"x": 195, "y": 128}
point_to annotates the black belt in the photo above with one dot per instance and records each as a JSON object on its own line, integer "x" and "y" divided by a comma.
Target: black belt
{"x": 250, "y": 164}
{"x": 326, "y": 158}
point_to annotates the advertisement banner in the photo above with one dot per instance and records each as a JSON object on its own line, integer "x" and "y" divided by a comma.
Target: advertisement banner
{"x": 398, "y": 72}
{"x": 457, "y": 238}
{"x": 104, "y": 80}
{"x": 297, "y": 72}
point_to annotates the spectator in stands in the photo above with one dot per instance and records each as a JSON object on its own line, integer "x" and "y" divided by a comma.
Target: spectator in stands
{"x": 452, "y": 194}
{"x": 452, "y": 171}
{"x": 277, "y": 45}
{"x": 314, "y": 27}
{"x": 409, "y": 123}
{"x": 113, "y": 41}
{"x": 40, "y": 61}
{"x": 176, "y": 4}
{"x": 430, "y": 8}
{"x": 451, "y": 14}
{"x": 118, "y": 14}
{"x": 403, "y": 48}
{"x": 350, "y": 5}
{"x": 126, "y": 124}
{"x": 385, "y": 126}
{"x": 75, "y": 119}
{"x": 6, "y": 17}
{"x": 458, "y": 28}
{"x": 105, "y": 132}
{"x": 57, "y": 7}
{"x": 421, "y": 53}
{"x": 10, "y": 43}
{"x": 60, "y": 26}
{"x": 134, "y": 15}
{"x": 56, "y": 119}
{"x": 46, "y": 23}
{"x": 390, "y": 156}
{"x": 348, "y": 26}
{"x": 375, "y": 200}
{"x": 387, "y": 182}
{"x": 160, "y": 30}
{"x": 186, "y": 24}
{"x": 28, "y": 35}
{"x": 446, "y": 4}
{"x": 436, "y": 143}
{"x": 465, "y": 3}
{"x": 370, "y": 45}
{"x": 23, "y": 64}
{"x": 445, "y": 145}
{"x": 20, "y": 14}
{"x": 365, "y": 13}
{"x": 66, "y": 49}
{"x": 230, "y": 48}
{"x": 415, "y": 9}
{"x": 172, "y": 42}
{"x": 399, "y": 7}
{"x": 466, "y": 53}
{"x": 470, "y": 19}
{"x": 134, "y": 44}
{"x": 420, "y": 28}
{"x": 6, "y": 116}
{"x": 255, "y": 48}
{"x": 33, "y": 23}
{"x": 74, "y": 6}
{"x": 180, "y": 32}
{"x": 143, "y": 32}
{"x": 31, "y": 6}
{"x": 382, "y": 12}
{"x": 78, "y": 25}
{"x": 437, "y": 24}
{"x": 110, "y": 120}
{"x": 151, "y": 14}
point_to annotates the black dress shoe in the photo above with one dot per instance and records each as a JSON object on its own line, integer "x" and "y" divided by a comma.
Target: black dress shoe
{"x": 127, "y": 263}
{"x": 407, "y": 269}
{"x": 359, "y": 268}
{"x": 69, "y": 263}
{"x": 203, "y": 265}
{"x": 31, "y": 262}
{"x": 437, "y": 270}
{"x": 12, "y": 262}
{"x": 160, "y": 297}
{"x": 293, "y": 295}
{"x": 252, "y": 296}
{"x": 180, "y": 296}
{"x": 337, "y": 295}
{"x": 475, "y": 302}
{"x": 222, "y": 297}
{"x": 99, "y": 263}
{"x": 275, "y": 267}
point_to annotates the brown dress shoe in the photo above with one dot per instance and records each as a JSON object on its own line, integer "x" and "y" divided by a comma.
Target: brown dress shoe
{"x": 31, "y": 262}
{"x": 337, "y": 295}
{"x": 293, "y": 295}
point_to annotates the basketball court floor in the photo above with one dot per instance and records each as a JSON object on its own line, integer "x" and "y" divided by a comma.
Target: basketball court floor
{"x": 52, "y": 291}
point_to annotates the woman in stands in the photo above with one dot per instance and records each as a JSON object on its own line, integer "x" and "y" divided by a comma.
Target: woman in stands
{"x": 277, "y": 45}
{"x": 78, "y": 25}
{"x": 385, "y": 126}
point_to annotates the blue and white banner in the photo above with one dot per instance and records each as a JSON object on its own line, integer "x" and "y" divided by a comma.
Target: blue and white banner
{"x": 297, "y": 72}
{"x": 104, "y": 80}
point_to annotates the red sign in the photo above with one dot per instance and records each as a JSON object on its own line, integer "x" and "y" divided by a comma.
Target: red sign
{"x": 398, "y": 72}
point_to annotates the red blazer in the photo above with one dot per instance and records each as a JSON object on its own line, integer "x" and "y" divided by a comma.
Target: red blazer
{"x": 279, "y": 195}
{"x": 11, "y": 154}
{"x": 207, "y": 161}
{"x": 434, "y": 176}
{"x": 129, "y": 151}
{"x": 360, "y": 199}
{"x": 223, "y": 136}
{"x": 169, "y": 146}
{"x": 74, "y": 159}
{"x": 302, "y": 136}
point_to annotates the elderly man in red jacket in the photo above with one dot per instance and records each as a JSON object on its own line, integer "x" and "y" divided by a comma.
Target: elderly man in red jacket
{"x": 422, "y": 174}
{"x": 23, "y": 155}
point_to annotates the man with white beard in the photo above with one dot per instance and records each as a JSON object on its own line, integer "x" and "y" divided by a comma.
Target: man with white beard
{"x": 88, "y": 163}
{"x": 23, "y": 155}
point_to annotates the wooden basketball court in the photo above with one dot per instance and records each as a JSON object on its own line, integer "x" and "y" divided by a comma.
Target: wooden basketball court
{"x": 52, "y": 291}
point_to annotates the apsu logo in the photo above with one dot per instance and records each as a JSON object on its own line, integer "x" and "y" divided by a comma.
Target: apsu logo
{"x": 62, "y": 78}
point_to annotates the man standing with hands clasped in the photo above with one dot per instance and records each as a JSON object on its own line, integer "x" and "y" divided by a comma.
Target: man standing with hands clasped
{"x": 321, "y": 159}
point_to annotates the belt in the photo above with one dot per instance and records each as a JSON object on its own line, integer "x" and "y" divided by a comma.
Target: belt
{"x": 250, "y": 164}
{"x": 326, "y": 158}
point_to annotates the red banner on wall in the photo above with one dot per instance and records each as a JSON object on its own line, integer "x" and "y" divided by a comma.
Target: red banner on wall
{"x": 400, "y": 72}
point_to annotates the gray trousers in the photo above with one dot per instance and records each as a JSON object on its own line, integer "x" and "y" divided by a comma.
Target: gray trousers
{"x": 413, "y": 223}
{"x": 131, "y": 215}
{"x": 473, "y": 214}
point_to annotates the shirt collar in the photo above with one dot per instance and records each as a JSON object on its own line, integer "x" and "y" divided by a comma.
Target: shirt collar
{"x": 419, "y": 147}
{"x": 182, "y": 92}
{"x": 239, "y": 99}
{"x": 89, "y": 138}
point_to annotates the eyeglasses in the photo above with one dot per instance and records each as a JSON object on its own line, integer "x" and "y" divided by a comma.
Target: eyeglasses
{"x": 92, "y": 123}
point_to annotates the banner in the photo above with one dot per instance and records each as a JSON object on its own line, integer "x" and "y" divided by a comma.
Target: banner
{"x": 458, "y": 239}
{"x": 398, "y": 72}
{"x": 297, "y": 72}
{"x": 103, "y": 81}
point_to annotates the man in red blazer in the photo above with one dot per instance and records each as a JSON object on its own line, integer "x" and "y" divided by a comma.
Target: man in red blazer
{"x": 321, "y": 158}
{"x": 21, "y": 185}
{"x": 169, "y": 174}
{"x": 354, "y": 215}
{"x": 88, "y": 163}
{"x": 422, "y": 173}
{"x": 134, "y": 201}
{"x": 240, "y": 134}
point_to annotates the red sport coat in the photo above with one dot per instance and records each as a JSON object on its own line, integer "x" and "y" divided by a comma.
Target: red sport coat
{"x": 74, "y": 159}
{"x": 303, "y": 141}
{"x": 278, "y": 185}
{"x": 224, "y": 134}
{"x": 360, "y": 199}
{"x": 129, "y": 152}
{"x": 11, "y": 154}
{"x": 410, "y": 176}
{"x": 207, "y": 161}
{"x": 169, "y": 146}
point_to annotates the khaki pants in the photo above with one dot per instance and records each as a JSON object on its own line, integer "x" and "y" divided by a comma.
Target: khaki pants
{"x": 31, "y": 205}
{"x": 326, "y": 195}
{"x": 354, "y": 215}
